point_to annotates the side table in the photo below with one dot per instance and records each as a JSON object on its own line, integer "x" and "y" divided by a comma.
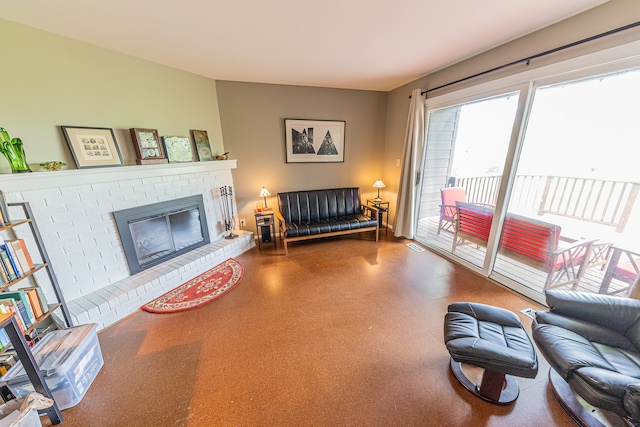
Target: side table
{"x": 265, "y": 227}
{"x": 383, "y": 208}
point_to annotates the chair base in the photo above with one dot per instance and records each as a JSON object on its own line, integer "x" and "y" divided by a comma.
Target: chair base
{"x": 578, "y": 413}
{"x": 496, "y": 387}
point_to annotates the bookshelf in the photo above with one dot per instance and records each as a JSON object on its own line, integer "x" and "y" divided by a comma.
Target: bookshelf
{"x": 28, "y": 221}
{"x": 8, "y": 323}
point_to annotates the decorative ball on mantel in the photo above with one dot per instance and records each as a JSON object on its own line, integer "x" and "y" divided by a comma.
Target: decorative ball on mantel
{"x": 52, "y": 166}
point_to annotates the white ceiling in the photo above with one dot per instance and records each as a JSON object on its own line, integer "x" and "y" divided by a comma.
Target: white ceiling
{"x": 356, "y": 44}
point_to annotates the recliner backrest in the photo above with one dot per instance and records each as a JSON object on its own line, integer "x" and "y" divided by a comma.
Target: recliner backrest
{"x": 315, "y": 205}
{"x": 616, "y": 313}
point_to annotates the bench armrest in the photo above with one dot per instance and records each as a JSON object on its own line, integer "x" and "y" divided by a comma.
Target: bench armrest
{"x": 585, "y": 245}
{"x": 373, "y": 211}
{"x": 283, "y": 223}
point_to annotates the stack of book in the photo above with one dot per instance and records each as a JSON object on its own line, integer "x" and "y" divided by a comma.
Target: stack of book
{"x": 28, "y": 304}
{"x": 15, "y": 260}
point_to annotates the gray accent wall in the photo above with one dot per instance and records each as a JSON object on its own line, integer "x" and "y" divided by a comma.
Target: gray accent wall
{"x": 252, "y": 116}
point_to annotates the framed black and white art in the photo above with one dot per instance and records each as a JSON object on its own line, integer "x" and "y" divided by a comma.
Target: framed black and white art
{"x": 314, "y": 141}
{"x": 92, "y": 147}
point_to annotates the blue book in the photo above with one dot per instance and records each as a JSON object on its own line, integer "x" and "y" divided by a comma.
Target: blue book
{"x": 6, "y": 264}
{"x": 4, "y": 339}
{"x": 23, "y": 314}
{"x": 12, "y": 259}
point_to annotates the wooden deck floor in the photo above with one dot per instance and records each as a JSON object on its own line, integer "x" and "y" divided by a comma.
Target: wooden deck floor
{"x": 521, "y": 273}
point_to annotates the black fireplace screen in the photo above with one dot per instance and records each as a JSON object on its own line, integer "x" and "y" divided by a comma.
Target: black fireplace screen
{"x": 155, "y": 233}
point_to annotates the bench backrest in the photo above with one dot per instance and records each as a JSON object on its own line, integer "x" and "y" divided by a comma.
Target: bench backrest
{"x": 474, "y": 222}
{"x": 529, "y": 240}
{"x": 316, "y": 205}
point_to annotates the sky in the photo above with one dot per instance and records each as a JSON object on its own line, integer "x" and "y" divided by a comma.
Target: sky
{"x": 587, "y": 129}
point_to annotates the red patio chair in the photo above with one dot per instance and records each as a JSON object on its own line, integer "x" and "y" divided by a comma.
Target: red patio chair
{"x": 448, "y": 210}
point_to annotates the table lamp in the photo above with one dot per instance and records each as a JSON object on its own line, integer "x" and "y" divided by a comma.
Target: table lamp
{"x": 378, "y": 184}
{"x": 264, "y": 193}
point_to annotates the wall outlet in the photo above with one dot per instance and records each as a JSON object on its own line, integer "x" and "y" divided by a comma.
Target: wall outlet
{"x": 243, "y": 223}
{"x": 397, "y": 162}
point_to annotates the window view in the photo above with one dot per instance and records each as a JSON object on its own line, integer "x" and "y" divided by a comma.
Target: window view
{"x": 466, "y": 150}
{"x": 572, "y": 220}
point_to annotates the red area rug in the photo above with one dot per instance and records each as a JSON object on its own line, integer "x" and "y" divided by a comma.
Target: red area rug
{"x": 200, "y": 290}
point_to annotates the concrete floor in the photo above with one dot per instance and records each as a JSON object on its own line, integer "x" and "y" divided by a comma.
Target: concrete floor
{"x": 342, "y": 332}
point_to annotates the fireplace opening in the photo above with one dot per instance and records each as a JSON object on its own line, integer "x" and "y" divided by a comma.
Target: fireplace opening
{"x": 155, "y": 233}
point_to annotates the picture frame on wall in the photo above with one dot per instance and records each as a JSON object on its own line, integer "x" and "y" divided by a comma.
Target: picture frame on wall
{"x": 178, "y": 149}
{"x": 314, "y": 141}
{"x": 148, "y": 146}
{"x": 92, "y": 147}
{"x": 203, "y": 148}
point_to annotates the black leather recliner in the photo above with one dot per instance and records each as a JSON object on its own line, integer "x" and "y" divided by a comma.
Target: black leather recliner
{"x": 593, "y": 342}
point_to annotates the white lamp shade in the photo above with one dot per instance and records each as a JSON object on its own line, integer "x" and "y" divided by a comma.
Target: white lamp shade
{"x": 378, "y": 184}
{"x": 264, "y": 192}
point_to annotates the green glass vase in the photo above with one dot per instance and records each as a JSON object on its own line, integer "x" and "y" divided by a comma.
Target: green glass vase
{"x": 15, "y": 155}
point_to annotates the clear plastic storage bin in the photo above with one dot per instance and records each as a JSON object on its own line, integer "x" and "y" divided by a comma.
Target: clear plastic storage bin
{"x": 69, "y": 360}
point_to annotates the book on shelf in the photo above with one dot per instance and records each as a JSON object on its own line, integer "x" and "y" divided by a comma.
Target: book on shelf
{"x": 12, "y": 259}
{"x": 21, "y": 311}
{"x": 6, "y": 264}
{"x": 27, "y": 255}
{"x": 21, "y": 255}
{"x": 39, "y": 296}
{"x": 21, "y": 296}
{"x": 4, "y": 210}
{"x": 34, "y": 300}
{"x": 9, "y": 305}
{"x": 4, "y": 339}
{"x": 4, "y": 274}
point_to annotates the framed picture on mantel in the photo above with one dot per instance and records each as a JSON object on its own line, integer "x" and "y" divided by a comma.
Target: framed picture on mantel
{"x": 92, "y": 147}
{"x": 148, "y": 146}
{"x": 314, "y": 141}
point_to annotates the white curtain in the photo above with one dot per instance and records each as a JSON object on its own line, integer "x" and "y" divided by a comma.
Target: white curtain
{"x": 412, "y": 157}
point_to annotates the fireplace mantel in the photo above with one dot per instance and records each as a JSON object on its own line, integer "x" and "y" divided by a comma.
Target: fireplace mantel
{"x": 69, "y": 177}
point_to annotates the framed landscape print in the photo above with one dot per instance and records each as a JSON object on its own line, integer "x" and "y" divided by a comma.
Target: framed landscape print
{"x": 92, "y": 147}
{"x": 178, "y": 149}
{"x": 203, "y": 148}
{"x": 148, "y": 146}
{"x": 314, "y": 141}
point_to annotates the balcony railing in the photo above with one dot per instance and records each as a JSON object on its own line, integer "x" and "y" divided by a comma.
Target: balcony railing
{"x": 593, "y": 200}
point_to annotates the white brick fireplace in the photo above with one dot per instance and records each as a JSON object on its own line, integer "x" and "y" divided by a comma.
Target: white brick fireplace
{"x": 73, "y": 210}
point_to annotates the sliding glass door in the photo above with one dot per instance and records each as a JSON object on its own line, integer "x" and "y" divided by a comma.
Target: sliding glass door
{"x": 538, "y": 188}
{"x": 466, "y": 150}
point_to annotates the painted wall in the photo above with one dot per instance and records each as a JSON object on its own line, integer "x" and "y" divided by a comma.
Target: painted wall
{"x": 252, "y": 117}
{"x": 48, "y": 81}
{"x": 609, "y": 16}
